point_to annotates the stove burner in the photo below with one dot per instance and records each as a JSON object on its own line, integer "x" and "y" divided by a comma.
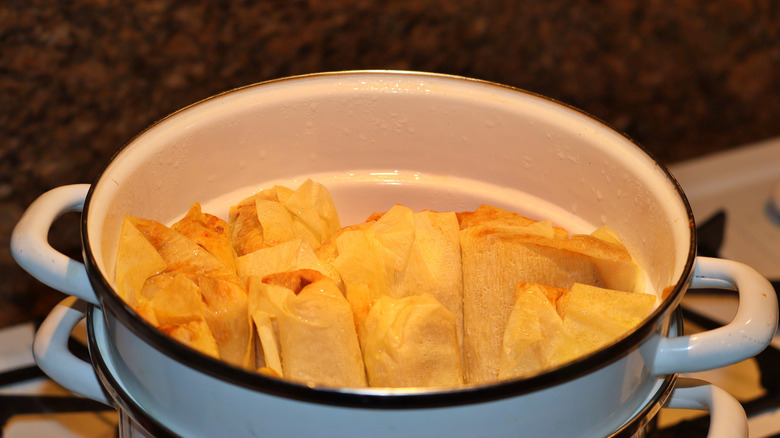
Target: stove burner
{"x": 709, "y": 235}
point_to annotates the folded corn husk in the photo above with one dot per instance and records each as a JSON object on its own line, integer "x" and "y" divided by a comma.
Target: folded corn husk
{"x": 227, "y": 317}
{"x": 194, "y": 259}
{"x": 409, "y": 342}
{"x": 597, "y": 316}
{"x": 225, "y": 299}
{"x": 286, "y": 256}
{"x": 246, "y": 233}
{"x": 495, "y": 258}
{"x": 175, "y": 307}
{"x": 551, "y": 326}
{"x": 306, "y": 329}
{"x": 280, "y": 214}
{"x": 403, "y": 253}
{"x": 534, "y": 338}
{"x": 210, "y": 232}
{"x": 181, "y": 253}
{"x": 488, "y": 215}
{"x": 136, "y": 261}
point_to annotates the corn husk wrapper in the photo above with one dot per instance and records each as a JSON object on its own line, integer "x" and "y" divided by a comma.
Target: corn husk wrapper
{"x": 222, "y": 305}
{"x": 328, "y": 251}
{"x": 279, "y": 214}
{"x": 226, "y": 301}
{"x": 195, "y": 334}
{"x": 188, "y": 251}
{"x": 488, "y": 215}
{"x": 402, "y": 254}
{"x": 312, "y": 206}
{"x": 268, "y": 358}
{"x": 549, "y": 326}
{"x": 598, "y": 316}
{"x": 316, "y": 334}
{"x": 246, "y": 233}
{"x": 208, "y": 231}
{"x": 496, "y": 258}
{"x": 182, "y": 254}
{"x": 178, "y": 310}
{"x": 136, "y": 260}
{"x": 178, "y": 301}
{"x": 411, "y": 342}
{"x": 227, "y": 316}
{"x": 534, "y": 338}
{"x": 618, "y": 275}
{"x": 287, "y": 256}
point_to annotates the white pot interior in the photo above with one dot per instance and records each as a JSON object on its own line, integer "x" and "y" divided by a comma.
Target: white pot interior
{"x": 380, "y": 138}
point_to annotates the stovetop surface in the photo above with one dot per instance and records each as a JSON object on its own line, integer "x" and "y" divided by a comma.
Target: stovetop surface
{"x": 738, "y": 187}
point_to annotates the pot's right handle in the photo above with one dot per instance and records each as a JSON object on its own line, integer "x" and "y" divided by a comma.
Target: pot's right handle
{"x": 51, "y": 352}
{"x": 727, "y": 417}
{"x": 30, "y": 242}
{"x": 747, "y": 335}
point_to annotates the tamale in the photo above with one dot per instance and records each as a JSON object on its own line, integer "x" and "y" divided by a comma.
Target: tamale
{"x": 411, "y": 342}
{"x": 495, "y": 259}
{"x": 316, "y": 332}
{"x": 401, "y": 254}
{"x": 534, "y": 338}
{"x": 208, "y": 231}
{"x": 279, "y": 214}
{"x": 227, "y": 316}
{"x": 136, "y": 260}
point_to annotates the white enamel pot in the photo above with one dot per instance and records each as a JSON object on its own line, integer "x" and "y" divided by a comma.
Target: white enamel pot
{"x": 100, "y": 381}
{"x": 376, "y": 139}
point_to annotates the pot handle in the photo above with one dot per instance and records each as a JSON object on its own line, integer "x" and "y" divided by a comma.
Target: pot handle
{"x": 31, "y": 249}
{"x": 51, "y": 352}
{"x": 727, "y": 417}
{"x": 747, "y": 335}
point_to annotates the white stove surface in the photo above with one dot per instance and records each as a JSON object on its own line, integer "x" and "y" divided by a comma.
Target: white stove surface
{"x": 742, "y": 182}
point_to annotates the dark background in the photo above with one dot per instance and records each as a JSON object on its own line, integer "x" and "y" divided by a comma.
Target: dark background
{"x": 80, "y": 78}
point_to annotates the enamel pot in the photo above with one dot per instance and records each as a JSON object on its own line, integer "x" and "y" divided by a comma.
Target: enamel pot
{"x": 727, "y": 418}
{"x": 376, "y": 139}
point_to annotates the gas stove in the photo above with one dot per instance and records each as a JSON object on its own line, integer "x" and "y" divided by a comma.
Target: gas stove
{"x": 735, "y": 196}
{"x": 33, "y": 405}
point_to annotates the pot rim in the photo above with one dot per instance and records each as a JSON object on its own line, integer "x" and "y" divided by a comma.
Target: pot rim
{"x": 383, "y": 398}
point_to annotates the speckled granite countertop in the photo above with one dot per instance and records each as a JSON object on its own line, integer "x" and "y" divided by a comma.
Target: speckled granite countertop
{"x": 79, "y": 78}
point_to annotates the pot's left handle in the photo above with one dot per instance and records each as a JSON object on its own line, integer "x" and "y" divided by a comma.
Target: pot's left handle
{"x": 727, "y": 417}
{"x": 51, "y": 352}
{"x": 31, "y": 249}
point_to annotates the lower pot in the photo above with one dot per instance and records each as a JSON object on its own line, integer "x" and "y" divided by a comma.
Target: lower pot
{"x": 102, "y": 380}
